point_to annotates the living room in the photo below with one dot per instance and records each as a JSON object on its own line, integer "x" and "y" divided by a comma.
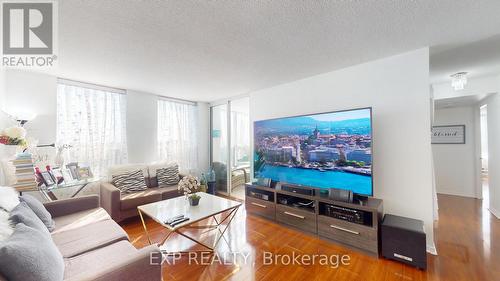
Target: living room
{"x": 144, "y": 148}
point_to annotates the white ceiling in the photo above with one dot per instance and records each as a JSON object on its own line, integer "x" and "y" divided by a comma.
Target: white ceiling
{"x": 208, "y": 50}
{"x": 478, "y": 59}
{"x": 460, "y": 101}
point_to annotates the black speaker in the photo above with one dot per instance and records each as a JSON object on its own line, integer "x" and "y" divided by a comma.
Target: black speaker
{"x": 300, "y": 190}
{"x": 263, "y": 182}
{"x": 341, "y": 195}
{"x": 403, "y": 239}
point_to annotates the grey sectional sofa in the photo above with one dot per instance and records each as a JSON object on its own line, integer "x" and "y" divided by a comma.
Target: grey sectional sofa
{"x": 94, "y": 247}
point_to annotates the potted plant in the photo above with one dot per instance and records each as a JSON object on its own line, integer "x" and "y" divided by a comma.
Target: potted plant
{"x": 194, "y": 199}
{"x": 189, "y": 186}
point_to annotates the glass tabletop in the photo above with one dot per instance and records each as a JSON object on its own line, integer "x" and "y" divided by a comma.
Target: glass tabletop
{"x": 71, "y": 184}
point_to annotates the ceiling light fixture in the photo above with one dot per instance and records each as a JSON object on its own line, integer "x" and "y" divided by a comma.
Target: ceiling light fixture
{"x": 22, "y": 117}
{"x": 459, "y": 80}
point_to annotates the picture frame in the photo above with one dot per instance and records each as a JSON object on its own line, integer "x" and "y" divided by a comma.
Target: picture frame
{"x": 47, "y": 179}
{"x": 84, "y": 173}
{"x": 73, "y": 168}
{"x": 57, "y": 173}
{"x": 68, "y": 178}
{"x": 448, "y": 134}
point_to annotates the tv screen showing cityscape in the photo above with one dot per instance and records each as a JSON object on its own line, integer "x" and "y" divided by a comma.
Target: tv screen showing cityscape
{"x": 326, "y": 150}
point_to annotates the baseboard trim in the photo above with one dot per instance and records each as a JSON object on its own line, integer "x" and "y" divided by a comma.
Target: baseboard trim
{"x": 431, "y": 249}
{"x": 454, "y": 193}
{"x": 495, "y": 212}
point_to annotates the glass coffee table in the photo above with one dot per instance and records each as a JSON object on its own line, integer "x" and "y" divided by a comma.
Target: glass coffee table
{"x": 48, "y": 192}
{"x": 209, "y": 207}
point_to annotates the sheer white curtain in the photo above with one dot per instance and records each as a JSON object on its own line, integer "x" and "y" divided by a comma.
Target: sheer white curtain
{"x": 93, "y": 122}
{"x": 240, "y": 138}
{"x": 177, "y": 136}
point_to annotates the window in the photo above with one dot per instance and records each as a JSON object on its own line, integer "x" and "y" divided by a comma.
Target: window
{"x": 177, "y": 138}
{"x": 91, "y": 119}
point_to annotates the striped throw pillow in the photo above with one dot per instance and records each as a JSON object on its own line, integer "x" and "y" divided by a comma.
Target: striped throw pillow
{"x": 130, "y": 182}
{"x": 168, "y": 175}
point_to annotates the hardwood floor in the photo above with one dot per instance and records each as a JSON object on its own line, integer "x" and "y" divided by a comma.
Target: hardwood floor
{"x": 467, "y": 239}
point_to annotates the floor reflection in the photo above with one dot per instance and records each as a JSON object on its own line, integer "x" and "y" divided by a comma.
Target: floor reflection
{"x": 466, "y": 237}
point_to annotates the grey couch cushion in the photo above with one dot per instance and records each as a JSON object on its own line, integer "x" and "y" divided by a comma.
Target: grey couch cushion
{"x": 132, "y": 200}
{"x": 80, "y": 219}
{"x": 84, "y": 266}
{"x": 90, "y": 237}
{"x": 23, "y": 214}
{"x": 29, "y": 255}
{"x": 170, "y": 191}
{"x": 38, "y": 208}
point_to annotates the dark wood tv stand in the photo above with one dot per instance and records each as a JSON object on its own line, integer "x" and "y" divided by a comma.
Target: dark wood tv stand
{"x": 307, "y": 209}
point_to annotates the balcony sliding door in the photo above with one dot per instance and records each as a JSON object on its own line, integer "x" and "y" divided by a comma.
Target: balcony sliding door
{"x": 230, "y": 146}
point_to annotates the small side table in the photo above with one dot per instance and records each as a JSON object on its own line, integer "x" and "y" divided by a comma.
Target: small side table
{"x": 48, "y": 193}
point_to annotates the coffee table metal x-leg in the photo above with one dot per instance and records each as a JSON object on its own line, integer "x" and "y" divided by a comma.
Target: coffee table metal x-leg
{"x": 209, "y": 248}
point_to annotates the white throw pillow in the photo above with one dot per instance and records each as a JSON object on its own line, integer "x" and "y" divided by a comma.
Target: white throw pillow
{"x": 9, "y": 198}
{"x": 6, "y": 227}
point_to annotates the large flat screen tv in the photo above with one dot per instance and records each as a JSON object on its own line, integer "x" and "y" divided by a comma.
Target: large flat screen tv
{"x": 326, "y": 150}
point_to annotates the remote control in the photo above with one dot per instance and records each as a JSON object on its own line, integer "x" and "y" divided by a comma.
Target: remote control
{"x": 175, "y": 221}
{"x": 179, "y": 221}
{"x": 171, "y": 220}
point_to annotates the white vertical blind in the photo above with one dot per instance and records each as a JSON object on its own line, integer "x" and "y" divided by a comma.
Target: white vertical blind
{"x": 177, "y": 134}
{"x": 93, "y": 122}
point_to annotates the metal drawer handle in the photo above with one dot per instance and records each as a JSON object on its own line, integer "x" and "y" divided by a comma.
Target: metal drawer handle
{"x": 294, "y": 215}
{"x": 259, "y": 205}
{"x": 344, "y": 229}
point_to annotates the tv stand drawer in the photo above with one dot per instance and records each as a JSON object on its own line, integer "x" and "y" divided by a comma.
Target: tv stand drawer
{"x": 260, "y": 207}
{"x": 352, "y": 234}
{"x": 301, "y": 219}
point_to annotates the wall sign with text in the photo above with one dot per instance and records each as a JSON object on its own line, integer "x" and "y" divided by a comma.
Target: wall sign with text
{"x": 448, "y": 134}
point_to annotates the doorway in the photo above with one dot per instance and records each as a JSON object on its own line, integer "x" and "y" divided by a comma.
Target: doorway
{"x": 240, "y": 146}
{"x": 483, "y": 120}
{"x": 230, "y": 146}
{"x": 219, "y": 149}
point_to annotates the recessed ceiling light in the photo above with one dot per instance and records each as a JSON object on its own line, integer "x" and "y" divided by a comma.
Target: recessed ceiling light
{"x": 459, "y": 80}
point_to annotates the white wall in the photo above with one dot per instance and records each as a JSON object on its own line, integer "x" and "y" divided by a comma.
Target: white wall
{"x": 31, "y": 92}
{"x": 2, "y": 98}
{"x": 2, "y": 87}
{"x": 455, "y": 164}
{"x": 37, "y": 93}
{"x": 494, "y": 151}
{"x": 3, "y": 120}
{"x": 397, "y": 88}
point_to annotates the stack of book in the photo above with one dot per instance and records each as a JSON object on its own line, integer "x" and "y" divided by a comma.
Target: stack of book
{"x": 25, "y": 173}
